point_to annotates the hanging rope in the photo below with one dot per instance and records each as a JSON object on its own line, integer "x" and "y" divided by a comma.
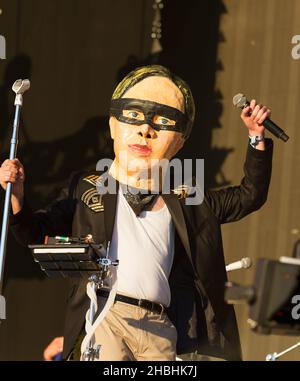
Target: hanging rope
{"x": 90, "y": 327}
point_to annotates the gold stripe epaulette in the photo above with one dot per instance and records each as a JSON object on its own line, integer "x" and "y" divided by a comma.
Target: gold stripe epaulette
{"x": 92, "y": 179}
{"x": 93, "y": 200}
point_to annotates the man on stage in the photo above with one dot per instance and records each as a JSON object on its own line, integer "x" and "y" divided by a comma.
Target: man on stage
{"x": 171, "y": 273}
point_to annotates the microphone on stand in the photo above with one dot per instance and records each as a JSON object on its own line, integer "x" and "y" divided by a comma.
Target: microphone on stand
{"x": 20, "y": 86}
{"x": 244, "y": 263}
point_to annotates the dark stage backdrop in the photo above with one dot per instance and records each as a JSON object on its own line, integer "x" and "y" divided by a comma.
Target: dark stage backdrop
{"x": 74, "y": 52}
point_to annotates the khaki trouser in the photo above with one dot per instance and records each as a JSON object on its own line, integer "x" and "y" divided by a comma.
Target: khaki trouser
{"x": 133, "y": 333}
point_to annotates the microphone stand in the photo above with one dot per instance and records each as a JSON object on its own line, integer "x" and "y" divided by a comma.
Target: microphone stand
{"x": 274, "y": 356}
{"x": 19, "y": 87}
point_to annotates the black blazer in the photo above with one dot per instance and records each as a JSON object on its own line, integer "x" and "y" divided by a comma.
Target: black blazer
{"x": 203, "y": 320}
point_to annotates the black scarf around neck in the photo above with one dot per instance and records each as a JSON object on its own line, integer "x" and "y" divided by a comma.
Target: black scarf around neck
{"x": 138, "y": 201}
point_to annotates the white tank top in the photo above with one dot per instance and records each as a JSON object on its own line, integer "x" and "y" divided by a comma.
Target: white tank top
{"x": 144, "y": 246}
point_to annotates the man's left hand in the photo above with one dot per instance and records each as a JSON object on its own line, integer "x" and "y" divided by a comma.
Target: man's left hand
{"x": 253, "y": 116}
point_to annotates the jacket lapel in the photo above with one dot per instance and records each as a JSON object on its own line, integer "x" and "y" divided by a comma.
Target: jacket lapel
{"x": 177, "y": 215}
{"x": 110, "y": 206}
{"x": 176, "y": 212}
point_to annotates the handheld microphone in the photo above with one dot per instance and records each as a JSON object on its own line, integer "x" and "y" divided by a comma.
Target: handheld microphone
{"x": 244, "y": 263}
{"x": 240, "y": 101}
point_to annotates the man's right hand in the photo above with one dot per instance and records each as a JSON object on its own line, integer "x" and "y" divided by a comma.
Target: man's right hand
{"x": 13, "y": 171}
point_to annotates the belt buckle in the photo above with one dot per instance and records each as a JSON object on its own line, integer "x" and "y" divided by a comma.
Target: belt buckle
{"x": 143, "y": 303}
{"x": 147, "y": 304}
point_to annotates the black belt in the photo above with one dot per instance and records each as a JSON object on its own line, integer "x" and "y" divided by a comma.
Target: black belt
{"x": 143, "y": 303}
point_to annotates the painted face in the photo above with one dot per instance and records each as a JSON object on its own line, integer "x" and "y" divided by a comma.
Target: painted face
{"x": 148, "y": 122}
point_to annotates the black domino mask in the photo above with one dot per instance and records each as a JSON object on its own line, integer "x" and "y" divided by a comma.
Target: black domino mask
{"x": 148, "y": 112}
